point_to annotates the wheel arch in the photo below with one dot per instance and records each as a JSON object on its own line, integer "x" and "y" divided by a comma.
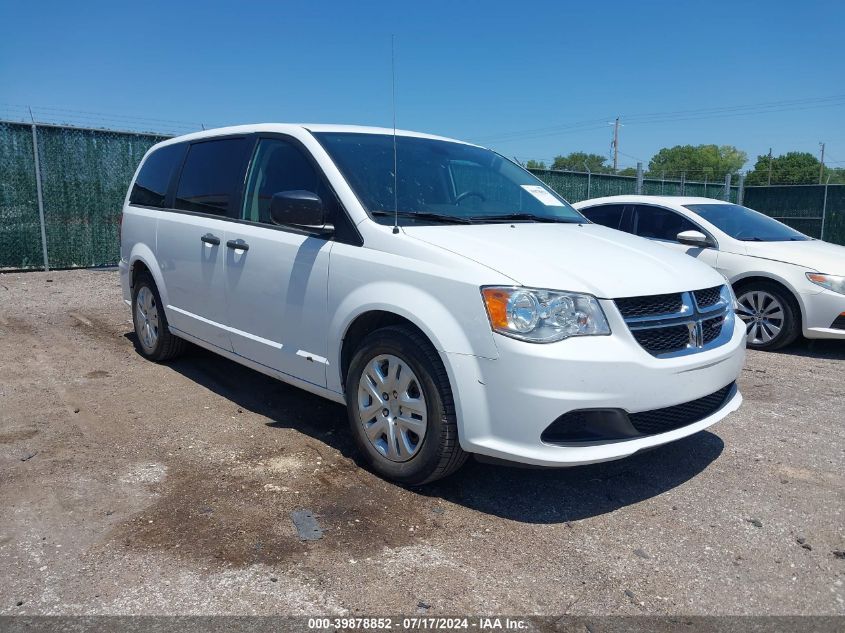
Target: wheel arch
{"x": 142, "y": 259}
{"x": 756, "y": 278}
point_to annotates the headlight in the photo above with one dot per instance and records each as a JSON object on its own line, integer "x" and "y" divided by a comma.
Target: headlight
{"x": 543, "y": 316}
{"x": 831, "y": 282}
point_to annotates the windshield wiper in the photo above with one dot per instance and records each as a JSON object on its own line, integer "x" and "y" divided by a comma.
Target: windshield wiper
{"x": 531, "y": 217}
{"x": 425, "y": 215}
{"x": 751, "y": 239}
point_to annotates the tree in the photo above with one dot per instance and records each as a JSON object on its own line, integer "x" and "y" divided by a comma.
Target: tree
{"x": 628, "y": 171}
{"x": 697, "y": 162}
{"x": 533, "y": 164}
{"x": 580, "y": 161}
{"x": 792, "y": 168}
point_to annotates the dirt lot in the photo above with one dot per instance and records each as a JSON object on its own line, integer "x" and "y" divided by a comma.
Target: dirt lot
{"x": 130, "y": 487}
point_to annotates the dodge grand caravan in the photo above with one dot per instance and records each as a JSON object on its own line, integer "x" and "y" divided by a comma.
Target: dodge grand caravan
{"x": 451, "y": 300}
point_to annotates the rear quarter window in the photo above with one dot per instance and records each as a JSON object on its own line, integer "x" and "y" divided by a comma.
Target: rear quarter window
{"x": 150, "y": 188}
{"x": 609, "y": 215}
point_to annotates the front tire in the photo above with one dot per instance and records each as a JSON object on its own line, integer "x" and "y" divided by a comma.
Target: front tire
{"x": 152, "y": 334}
{"x": 771, "y": 316}
{"x": 400, "y": 406}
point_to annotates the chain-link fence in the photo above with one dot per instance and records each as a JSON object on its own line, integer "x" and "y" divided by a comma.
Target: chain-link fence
{"x": 576, "y": 186}
{"x": 83, "y": 175}
{"x": 817, "y": 210}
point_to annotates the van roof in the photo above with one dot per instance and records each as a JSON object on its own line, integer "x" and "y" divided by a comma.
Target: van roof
{"x": 288, "y": 128}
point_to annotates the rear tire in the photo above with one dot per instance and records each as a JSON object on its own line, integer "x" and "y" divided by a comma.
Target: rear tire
{"x": 771, "y": 315}
{"x": 152, "y": 335}
{"x": 411, "y": 435}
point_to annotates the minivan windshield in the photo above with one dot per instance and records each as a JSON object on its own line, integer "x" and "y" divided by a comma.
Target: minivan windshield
{"x": 441, "y": 181}
{"x": 744, "y": 224}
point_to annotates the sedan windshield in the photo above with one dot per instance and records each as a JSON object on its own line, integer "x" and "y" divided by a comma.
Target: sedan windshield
{"x": 744, "y": 224}
{"x": 441, "y": 181}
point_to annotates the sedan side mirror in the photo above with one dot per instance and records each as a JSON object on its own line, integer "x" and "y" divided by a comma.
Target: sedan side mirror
{"x": 694, "y": 238}
{"x": 299, "y": 208}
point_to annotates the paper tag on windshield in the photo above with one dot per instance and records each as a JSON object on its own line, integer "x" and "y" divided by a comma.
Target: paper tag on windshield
{"x": 542, "y": 195}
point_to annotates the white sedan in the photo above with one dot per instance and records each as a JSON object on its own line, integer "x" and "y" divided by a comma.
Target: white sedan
{"x": 786, "y": 283}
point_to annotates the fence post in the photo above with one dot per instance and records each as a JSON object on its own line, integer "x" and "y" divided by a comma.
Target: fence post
{"x": 589, "y": 178}
{"x": 727, "y": 197}
{"x": 740, "y": 192}
{"x": 639, "y": 179}
{"x": 683, "y": 182}
{"x": 662, "y": 181}
{"x": 824, "y": 207}
{"x": 40, "y": 196}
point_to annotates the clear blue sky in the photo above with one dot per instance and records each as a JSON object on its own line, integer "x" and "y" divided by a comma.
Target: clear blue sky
{"x": 482, "y": 71}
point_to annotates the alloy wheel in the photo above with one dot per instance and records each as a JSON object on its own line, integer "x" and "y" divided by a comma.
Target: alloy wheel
{"x": 763, "y": 315}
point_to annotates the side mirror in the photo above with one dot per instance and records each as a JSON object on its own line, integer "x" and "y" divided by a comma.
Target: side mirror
{"x": 298, "y": 208}
{"x": 694, "y": 238}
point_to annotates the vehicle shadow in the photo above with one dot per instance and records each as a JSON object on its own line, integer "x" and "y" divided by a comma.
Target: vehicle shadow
{"x": 818, "y": 348}
{"x": 528, "y": 495}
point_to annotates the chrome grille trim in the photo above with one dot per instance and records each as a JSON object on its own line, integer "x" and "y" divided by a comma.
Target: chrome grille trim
{"x": 704, "y": 332}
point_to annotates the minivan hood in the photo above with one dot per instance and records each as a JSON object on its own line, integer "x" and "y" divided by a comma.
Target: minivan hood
{"x": 822, "y": 257}
{"x": 581, "y": 258}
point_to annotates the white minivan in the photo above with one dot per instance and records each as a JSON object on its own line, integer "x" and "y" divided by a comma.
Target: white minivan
{"x": 450, "y": 299}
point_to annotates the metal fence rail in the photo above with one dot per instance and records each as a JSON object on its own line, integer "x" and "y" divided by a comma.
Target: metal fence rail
{"x": 61, "y": 191}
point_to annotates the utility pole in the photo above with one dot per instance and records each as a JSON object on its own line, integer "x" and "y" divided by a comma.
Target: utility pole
{"x": 616, "y": 144}
{"x": 821, "y": 167}
{"x": 770, "y": 167}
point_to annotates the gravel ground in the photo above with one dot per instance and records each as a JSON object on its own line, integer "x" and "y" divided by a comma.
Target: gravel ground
{"x": 128, "y": 487}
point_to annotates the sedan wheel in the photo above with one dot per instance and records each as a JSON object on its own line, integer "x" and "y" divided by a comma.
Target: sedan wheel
{"x": 763, "y": 314}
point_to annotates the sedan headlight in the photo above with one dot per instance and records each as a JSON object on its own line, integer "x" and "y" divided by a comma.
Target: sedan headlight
{"x": 831, "y": 282}
{"x": 543, "y": 316}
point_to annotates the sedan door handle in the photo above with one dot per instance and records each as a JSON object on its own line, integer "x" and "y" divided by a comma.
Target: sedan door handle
{"x": 208, "y": 238}
{"x": 238, "y": 245}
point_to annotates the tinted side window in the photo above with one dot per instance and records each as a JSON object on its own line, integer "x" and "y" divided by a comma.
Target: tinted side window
{"x": 661, "y": 224}
{"x": 281, "y": 166}
{"x": 150, "y": 187}
{"x": 211, "y": 176}
{"x": 609, "y": 215}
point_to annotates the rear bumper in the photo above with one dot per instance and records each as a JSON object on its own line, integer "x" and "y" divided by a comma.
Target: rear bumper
{"x": 504, "y": 405}
{"x": 123, "y": 269}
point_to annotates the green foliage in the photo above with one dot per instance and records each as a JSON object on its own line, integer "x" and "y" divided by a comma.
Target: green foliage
{"x": 534, "y": 164}
{"x": 792, "y": 168}
{"x": 628, "y": 171}
{"x": 697, "y": 162}
{"x": 576, "y": 161}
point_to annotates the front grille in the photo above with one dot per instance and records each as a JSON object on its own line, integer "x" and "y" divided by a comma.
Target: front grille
{"x": 649, "y": 306}
{"x": 708, "y": 297}
{"x": 838, "y": 323}
{"x": 662, "y": 340}
{"x": 663, "y": 420}
{"x": 711, "y": 328}
{"x": 680, "y": 323}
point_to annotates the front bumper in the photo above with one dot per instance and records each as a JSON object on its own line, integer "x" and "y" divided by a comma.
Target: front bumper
{"x": 821, "y": 309}
{"x": 504, "y": 405}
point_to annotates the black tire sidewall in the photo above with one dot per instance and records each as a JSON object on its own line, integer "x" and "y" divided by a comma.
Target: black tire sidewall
{"x": 421, "y": 466}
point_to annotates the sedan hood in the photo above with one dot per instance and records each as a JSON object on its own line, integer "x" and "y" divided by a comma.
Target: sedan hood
{"x": 822, "y": 257}
{"x": 581, "y": 258}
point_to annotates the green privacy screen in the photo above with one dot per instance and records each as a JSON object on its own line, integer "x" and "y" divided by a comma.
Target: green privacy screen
{"x": 85, "y": 174}
{"x": 20, "y": 230}
{"x": 84, "y": 177}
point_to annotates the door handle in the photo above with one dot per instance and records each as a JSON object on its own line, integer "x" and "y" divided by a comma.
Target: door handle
{"x": 238, "y": 245}
{"x": 208, "y": 238}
